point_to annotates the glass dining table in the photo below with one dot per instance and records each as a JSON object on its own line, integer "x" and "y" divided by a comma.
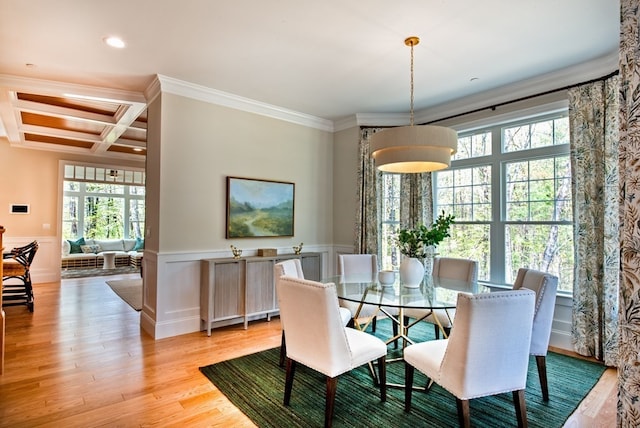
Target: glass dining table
{"x": 392, "y": 300}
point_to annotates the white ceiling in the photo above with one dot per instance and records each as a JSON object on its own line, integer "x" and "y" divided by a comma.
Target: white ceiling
{"x": 330, "y": 59}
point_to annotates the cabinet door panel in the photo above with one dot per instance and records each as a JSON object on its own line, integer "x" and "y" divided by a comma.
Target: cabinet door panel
{"x": 228, "y": 290}
{"x": 260, "y": 295}
{"x": 311, "y": 267}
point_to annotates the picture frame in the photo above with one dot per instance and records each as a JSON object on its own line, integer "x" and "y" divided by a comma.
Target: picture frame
{"x": 259, "y": 208}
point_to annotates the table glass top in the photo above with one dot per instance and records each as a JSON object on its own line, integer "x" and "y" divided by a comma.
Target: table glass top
{"x": 432, "y": 293}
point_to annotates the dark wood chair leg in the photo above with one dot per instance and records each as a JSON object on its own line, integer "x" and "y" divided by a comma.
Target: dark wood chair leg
{"x": 288, "y": 383}
{"x": 283, "y": 350}
{"x": 464, "y": 418}
{"x": 373, "y": 324}
{"x": 436, "y": 329}
{"x": 521, "y": 408}
{"x": 332, "y": 385}
{"x": 382, "y": 373}
{"x": 394, "y": 328}
{"x": 408, "y": 385}
{"x": 541, "y": 362}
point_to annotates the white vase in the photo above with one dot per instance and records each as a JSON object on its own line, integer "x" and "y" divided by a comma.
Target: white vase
{"x": 411, "y": 272}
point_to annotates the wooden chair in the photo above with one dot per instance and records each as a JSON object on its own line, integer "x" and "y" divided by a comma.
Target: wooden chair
{"x": 16, "y": 276}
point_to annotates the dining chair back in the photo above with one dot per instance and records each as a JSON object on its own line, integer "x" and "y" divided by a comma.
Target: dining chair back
{"x": 355, "y": 268}
{"x": 293, "y": 268}
{"x": 317, "y": 338}
{"x": 487, "y": 352}
{"x": 450, "y": 268}
{"x": 545, "y": 286}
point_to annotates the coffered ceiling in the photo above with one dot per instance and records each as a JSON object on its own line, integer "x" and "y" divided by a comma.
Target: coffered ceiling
{"x": 62, "y": 88}
{"x": 39, "y": 116}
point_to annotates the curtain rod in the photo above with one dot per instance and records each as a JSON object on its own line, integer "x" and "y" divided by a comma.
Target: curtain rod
{"x": 493, "y": 107}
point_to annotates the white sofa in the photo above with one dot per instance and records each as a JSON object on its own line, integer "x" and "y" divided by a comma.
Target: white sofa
{"x": 93, "y": 250}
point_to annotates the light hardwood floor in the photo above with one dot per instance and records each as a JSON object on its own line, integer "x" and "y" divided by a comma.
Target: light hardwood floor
{"x": 81, "y": 360}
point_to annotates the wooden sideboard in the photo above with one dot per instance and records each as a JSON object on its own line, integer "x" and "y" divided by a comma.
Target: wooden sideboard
{"x": 237, "y": 290}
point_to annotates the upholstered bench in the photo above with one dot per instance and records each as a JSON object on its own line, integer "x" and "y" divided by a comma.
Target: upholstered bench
{"x": 88, "y": 253}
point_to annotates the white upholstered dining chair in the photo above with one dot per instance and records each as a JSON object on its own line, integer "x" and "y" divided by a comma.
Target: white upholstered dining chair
{"x": 317, "y": 338}
{"x": 451, "y": 268}
{"x": 360, "y": 267}
{"x": 293, "y": 268}
{"x": 487, "y": 352}
{"x": 545, "y": 286}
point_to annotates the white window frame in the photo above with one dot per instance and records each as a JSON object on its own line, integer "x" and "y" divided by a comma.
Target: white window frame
{"x": 498, "y": 161}
{"x": 93, "y": 173}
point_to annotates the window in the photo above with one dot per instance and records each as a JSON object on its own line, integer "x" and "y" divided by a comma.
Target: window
{"x": 390, "y": 258}
{"x": 513, "y": 203}
{"x": 102, "y": 205}
{"x": 509, "y": 187}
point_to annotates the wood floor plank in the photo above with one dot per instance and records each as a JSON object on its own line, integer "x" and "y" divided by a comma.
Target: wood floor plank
{"x": 81, "y": 360}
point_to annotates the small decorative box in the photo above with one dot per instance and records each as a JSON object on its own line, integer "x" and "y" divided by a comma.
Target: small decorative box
{"x": 267, "y": 252}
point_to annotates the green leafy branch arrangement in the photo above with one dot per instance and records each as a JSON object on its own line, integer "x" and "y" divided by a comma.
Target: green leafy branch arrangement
{"x": 414, "y": 242}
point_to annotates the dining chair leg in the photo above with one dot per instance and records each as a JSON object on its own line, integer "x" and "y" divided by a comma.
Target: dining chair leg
{"x": 464, "y": 417}
{"x": 288, "y": 383}
{"x": 332, "y": 385}
{"x": 283, "y": 350}
{"x": 394, "y": 328}
{"x": 541, "y": 362}
{"x": 408, "y": 385}
{"x": 382, "y": 373}
{"x": 521, "y": 408}
{"x": 436, "y": 330}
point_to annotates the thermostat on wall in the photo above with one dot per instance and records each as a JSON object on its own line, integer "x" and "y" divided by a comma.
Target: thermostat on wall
{"x": 19, "y": 209}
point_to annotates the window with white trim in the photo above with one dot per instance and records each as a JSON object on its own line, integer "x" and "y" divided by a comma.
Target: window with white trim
{"x": 102, "y": 203}
{"x": 509, "y": 187}
{"x": 512, "y": 203}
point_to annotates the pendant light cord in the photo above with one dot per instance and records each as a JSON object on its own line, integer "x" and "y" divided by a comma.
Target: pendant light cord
{"x": 411, "y": 107}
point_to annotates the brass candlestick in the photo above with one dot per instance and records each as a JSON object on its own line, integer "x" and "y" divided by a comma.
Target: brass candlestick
{"x": 237, "y": 252}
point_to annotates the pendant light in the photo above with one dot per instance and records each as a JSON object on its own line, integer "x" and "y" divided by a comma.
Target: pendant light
{"x": 413, "y": 148}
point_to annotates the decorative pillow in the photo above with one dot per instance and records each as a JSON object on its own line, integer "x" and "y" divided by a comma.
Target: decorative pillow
{"x": 75, "y": 246}
{"x": 90, "y": 249}
{"x": 139, "y": 245}
{"x": 66, "y": 247}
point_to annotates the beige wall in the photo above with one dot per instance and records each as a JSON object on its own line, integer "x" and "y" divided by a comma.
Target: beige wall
{"x": 201, "y": 144}
{"x": 31, "y": 177}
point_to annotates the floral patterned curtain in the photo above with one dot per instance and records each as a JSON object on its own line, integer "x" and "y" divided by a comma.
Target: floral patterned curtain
{"x": 593, "y": 114}
{"x": 629, "y": 157}
{"x": 369, "y": 200}
{"x": 416, "y": 201}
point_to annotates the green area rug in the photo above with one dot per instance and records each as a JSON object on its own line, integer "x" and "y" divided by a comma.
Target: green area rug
{"x": 255, "y": 384}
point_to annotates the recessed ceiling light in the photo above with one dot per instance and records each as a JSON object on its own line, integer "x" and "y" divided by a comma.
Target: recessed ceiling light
{"x": 114, "y": 42}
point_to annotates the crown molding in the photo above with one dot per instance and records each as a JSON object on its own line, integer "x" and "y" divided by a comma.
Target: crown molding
{"x": 214, "y": 96}
{"x": 552, "y": 81}
{"x": 526, "y": 88}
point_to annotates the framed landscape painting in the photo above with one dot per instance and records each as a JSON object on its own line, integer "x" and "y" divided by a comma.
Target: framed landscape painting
{"x": 259, "y": 208}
